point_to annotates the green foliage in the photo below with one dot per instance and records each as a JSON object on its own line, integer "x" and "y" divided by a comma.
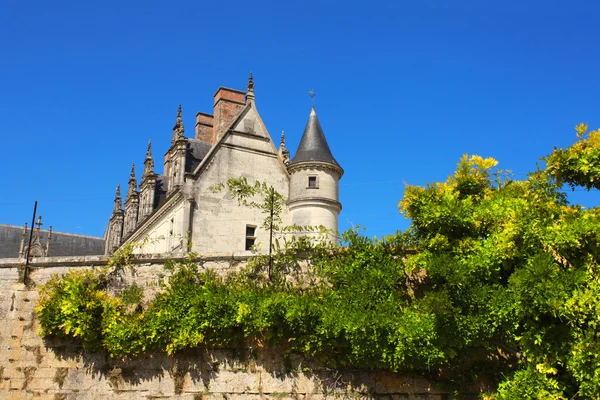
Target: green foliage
{"x": 73, "y": 306}
{"x": 132, "y": 295}
{"x": 578, "y": 165}
{"x": 516, "y": 263}
{"x": 496, "y": 282}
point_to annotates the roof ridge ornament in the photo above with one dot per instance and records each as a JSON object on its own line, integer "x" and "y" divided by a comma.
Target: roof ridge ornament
{"x": 312, "y": 95}
{"x": 118, "y": 202}
{"x": 250, "y": 83}
{"x": 149, "y": 162}
{"x": 250, "y": 89}
{"x": 283, "y": 152}
{"x": 178, "y": 129}
{"x": 132, "y": 189}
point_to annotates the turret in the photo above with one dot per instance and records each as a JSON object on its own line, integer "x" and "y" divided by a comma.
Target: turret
{"x": 314, "y": 180}
{"x": 148, "y": 186}
{"x": 131, "y": 205}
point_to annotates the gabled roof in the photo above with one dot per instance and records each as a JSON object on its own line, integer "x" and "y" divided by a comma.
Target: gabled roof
{"x": 313, "y": 145}
{"x": 256, "y": 129}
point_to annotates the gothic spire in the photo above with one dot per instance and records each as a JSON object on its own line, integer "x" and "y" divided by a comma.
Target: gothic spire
{"x": 149, "y": 162}
{"x": 250, "y": 89}
{"x": 132, "y": 189}
{"x": 178, "y": 131}
{"x": 118, "y": 203}
{"x": 283, "y": 152}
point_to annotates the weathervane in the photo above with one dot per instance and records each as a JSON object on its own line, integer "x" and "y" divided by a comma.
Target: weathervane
{"x": 312, "y": 95}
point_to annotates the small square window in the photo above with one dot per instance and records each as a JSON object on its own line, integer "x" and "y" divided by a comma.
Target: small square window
{"x": 312, "y": 182}
{"x": 250, "y": 236}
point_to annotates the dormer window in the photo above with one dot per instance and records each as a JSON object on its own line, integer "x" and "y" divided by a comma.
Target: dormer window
{"x": 312, "y": 182}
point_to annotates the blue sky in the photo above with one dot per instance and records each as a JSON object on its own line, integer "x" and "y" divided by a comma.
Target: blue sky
{"x": 403, "y": 90}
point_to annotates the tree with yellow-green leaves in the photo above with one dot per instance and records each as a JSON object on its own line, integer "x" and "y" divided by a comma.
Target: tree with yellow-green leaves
{"x": 496, "y": 284}
{"x": 578, "y": 165}
{"x": 518, "y": 268}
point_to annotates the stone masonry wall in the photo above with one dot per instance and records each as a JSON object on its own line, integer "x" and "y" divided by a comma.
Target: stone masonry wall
{"x": 36, "y": 368}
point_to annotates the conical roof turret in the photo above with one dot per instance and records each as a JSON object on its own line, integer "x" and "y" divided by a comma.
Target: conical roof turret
{"x": 313, "y": 145}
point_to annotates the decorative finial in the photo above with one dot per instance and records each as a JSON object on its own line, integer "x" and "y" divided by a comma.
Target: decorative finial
{"x": 149, "y": 162}
{"x": 284, "y": 154}
{"x": 178, "y": 131}
{"x": 39, "y": 223}
{"x": 250, "y": 84}
{"x": 312, "y": 95}
{"x": 250, "y": 90}
{"x": 118, "y": 203}
{"x": 132, "y": 189}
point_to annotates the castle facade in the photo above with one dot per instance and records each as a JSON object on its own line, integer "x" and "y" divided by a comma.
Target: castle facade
{"x": 178, "y": 210}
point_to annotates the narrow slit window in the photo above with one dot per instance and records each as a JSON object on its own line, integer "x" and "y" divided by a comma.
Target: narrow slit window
{"x": 312, "y": 182}
{"x": 250, "y": 236}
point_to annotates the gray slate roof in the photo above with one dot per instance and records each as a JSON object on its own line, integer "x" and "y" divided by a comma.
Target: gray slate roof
{"x": 313, "y": 145}
{"x": 61, "y": 244}
{"x": 197, "y": 150}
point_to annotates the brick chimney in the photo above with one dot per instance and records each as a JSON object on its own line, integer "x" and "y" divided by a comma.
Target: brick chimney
{"x": 204, "y": 128}
{"x": 228, "y": 104}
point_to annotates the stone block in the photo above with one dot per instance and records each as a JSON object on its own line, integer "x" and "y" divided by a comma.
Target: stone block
{"x": 235, "y": 382}
{"x": 277, "y": 383}
{"x": 304, "y": 384}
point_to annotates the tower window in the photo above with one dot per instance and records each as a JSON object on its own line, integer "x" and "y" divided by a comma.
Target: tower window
{"x": 250, "y": 236}
{"x": 312, "y": 182}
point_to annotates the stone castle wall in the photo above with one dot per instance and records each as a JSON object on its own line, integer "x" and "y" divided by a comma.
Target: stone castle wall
{"x": 36, "y": 368}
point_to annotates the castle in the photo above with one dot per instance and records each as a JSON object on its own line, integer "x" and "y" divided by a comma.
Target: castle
{"x": 177, "y": 211}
